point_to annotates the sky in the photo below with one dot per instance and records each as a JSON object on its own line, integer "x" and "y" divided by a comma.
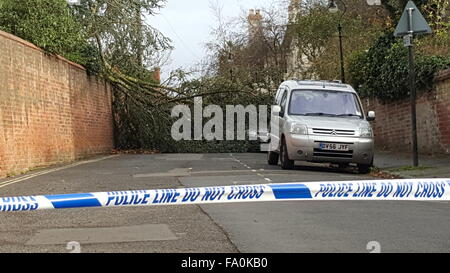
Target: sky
{"x": 188, "y": 23}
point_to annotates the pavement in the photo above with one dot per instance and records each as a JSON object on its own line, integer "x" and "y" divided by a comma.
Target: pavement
{"x": 299, "y": 226}
{"x": 400, "y": 164}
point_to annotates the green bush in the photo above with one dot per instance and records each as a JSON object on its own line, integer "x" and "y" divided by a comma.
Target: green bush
{"x": 50, "y": 25}
{"x": 383, "y": 71}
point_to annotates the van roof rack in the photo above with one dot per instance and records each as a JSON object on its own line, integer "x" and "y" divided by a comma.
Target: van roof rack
{"x": 324, "y": 83}
{"x": 336, "y": 81}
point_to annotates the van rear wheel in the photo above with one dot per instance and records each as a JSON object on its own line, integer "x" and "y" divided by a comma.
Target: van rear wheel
{"x": 286, "y": 163}
{"x": 364, "y": 168}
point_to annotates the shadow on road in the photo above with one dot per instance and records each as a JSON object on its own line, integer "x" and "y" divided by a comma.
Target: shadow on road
{"x": 326, "y": 168}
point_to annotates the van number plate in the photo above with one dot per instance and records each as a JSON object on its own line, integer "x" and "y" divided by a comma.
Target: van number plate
{"x": 334, "y": 147}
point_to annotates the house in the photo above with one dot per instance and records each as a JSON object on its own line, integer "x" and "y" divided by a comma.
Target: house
{"x": 296, "y": 63}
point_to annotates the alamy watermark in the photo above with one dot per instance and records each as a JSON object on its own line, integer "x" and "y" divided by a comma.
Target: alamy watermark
{"x": 191, "y": 125}
{"x": 74, "y": 247}
{"x": 373, "y": 247}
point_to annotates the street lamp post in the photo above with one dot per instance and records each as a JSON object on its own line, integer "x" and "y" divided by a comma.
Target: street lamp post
{"x": 341, "y": 52}
{"x": 230, "y": 63}
{"x": 332, "y": 7}
{"x": 229, "y": 46}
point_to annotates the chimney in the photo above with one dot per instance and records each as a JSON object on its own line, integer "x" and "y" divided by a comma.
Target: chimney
{"x": 254, "y": 18}
{"x": 254, "y": 22}
{"x": 157, "y": 74}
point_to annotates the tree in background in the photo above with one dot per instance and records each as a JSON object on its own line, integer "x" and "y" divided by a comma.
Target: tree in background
{"x": 396, "y": 7}
{"x": 317, "y": 42}
{"x": 438, "y": 15}
{"x": 249, "y": 49}
{"x": 112, "y": 39}
{"x": 128, "y": 50}
{"x": 122, "y": 37}
{"x": 381, "y": 71}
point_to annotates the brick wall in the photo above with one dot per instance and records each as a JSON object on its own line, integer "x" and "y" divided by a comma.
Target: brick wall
{"x": 392, "y": 127}
{"x": 51, "y": 111}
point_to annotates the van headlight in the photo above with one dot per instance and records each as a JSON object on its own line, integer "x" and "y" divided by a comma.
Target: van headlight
{"x": 298, "y": 129}
{"x": 366, "y": 132}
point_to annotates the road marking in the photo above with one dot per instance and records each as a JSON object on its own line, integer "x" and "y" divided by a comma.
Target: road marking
{"x": 244, "y": 182}
{"x": 197, "y": 173}
{"x": 180, "y": 157}
{"x": 29, "y": 176}
{"x": 253, "y": 170}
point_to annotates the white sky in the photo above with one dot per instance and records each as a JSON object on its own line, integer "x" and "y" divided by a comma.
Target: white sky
{"x": 188, "y": 23}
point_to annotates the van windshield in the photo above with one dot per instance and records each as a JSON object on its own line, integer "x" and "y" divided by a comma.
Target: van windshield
{"x": 324, "y": 103}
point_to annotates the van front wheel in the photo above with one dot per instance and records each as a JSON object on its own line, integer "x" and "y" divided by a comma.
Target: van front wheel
{"x": 286, "y": 163}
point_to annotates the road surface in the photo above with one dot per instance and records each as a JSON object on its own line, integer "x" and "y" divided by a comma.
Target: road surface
{"x": 305, "y": 226}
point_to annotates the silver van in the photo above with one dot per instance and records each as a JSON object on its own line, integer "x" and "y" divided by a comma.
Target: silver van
{"x": 320, "y": 121}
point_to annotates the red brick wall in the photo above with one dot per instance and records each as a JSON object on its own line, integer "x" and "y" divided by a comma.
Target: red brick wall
{"x": 392, "y": 127}
{"x": 51, "y": 111}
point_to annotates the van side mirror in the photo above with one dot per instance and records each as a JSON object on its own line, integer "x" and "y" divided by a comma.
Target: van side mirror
{"x": 276, "y": 110}
{"x": 371, "y": 116}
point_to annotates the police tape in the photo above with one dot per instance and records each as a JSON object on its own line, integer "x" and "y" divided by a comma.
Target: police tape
{"x": 403, "y": 189}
